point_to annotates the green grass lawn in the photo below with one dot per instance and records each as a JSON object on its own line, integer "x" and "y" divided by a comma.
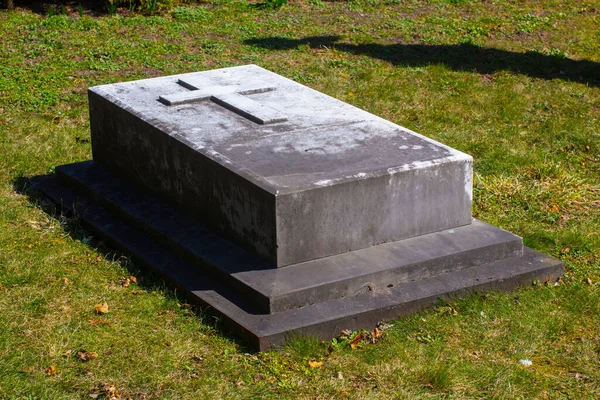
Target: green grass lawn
{"x": 516, "y": 84}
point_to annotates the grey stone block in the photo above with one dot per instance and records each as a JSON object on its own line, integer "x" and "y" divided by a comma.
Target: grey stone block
{"x": 284, "y": 171}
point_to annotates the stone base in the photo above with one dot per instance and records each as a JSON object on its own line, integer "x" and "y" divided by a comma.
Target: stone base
{"x": 266, "y": 305}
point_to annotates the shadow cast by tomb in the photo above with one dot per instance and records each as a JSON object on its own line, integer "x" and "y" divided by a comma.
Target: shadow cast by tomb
{"x": 55, "y": 7}
{"x": 458, "y": 57}
{"x": 114, "y": 231}
{"x": 153, "y": 266}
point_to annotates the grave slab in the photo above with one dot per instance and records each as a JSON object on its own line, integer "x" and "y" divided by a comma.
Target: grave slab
{"x": 282, "y": 170}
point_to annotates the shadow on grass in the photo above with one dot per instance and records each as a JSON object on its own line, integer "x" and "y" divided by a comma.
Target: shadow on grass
{"x": 459, "y": 57}
{"x": 148, "y": 278}
{"x": 93, "y": 8}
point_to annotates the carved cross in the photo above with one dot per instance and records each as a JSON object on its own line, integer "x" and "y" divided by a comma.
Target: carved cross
{"x": 232, "y": 97}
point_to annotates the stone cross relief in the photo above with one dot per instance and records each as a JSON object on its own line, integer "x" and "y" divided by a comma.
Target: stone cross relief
{"x": 232, "y": 97}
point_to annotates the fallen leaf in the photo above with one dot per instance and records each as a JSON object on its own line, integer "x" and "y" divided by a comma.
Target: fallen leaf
{"x": 377, "y": 334}
{"x": 355, "y": 341}
{"x": 185, "y": 306}
{"x": 133, "y": 279}
{"x": 315, "y": 364}
{"x": 51, "y": 370}
{"x": 589, "y": 281}
{"x": 554, "y": 208}
{"x": 125, "y": 282}
{"x": 111, "y": 392}
{"x": 87, "y": 355}
{"x": 101, "y": 308}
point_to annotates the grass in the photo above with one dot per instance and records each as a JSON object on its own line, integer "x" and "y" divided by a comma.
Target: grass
{"x": 515, "y": 84}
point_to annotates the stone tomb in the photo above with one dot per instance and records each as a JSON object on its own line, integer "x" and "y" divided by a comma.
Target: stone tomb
{"x": 281, "y": 209}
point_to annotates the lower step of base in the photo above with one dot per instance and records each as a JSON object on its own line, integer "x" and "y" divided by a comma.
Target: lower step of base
{"x": 324, "y": 320}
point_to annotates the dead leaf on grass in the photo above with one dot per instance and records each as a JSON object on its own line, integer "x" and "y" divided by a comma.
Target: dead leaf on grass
{"x": 87, "y": 355}
{"x": 133, "y": 279}
{"x": 376, "y": 335}
{"x": 51, "y": 370}
{"x": 315, "y": 364}
{"x": 125, "y": 282}
{"x": 355, "y": 341}
{"x": 101, "y": 308}
{"x": 111, "y": 392}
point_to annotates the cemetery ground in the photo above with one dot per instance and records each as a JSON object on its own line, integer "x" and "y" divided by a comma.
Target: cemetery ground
{"x": 514, "y": 84}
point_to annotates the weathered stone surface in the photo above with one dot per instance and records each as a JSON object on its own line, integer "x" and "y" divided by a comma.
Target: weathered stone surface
{"x": 285, "y": 171}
